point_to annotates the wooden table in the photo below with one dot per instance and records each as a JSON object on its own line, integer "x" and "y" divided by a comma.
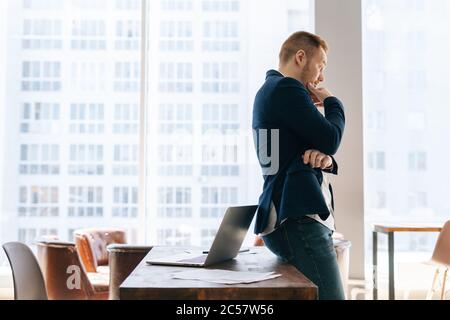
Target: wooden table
{"x": 154, "y": 282}
{"x": 390, "y": 229}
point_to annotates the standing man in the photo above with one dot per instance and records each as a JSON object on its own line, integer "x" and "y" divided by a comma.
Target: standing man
{"x": 295, "y": 213}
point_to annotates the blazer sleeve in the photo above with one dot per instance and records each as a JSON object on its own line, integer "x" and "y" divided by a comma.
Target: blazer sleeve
{"x": 334, "y": 168}
{"x": 297, "y": 111}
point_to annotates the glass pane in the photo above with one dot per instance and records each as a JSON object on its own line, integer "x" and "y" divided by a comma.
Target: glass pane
{"x": 406, "y": 132}
{"x": 59, "y": 169}
{"x": 207, "y": 59}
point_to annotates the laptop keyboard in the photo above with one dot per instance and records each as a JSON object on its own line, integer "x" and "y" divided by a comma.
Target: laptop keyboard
{"x": 198, "y": 259}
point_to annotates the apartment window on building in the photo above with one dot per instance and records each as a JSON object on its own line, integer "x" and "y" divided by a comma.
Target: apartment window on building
{"x": 220, "y": 5}
{"x": 70, "y": 235}
{"x": 90, "y": 5}
{"x": 216, "y": 200}
{"x": 128, "y": 33}
{"x": 41, "y": 76}
{"x": 88, "y": 76}
{"x": 125, "y": 160}
{"x": 176, "y": 5}
{"x": 381, "y": 200}
{"x": 377, "y": 160}
{"x": 223, "y": 118}
{"x": 88, "y": 35}
{"x": 175, "y": 160}
{"x": 126, "y": 76}
{"x": 220, "y": 77}
{"x": 134, "y": 5}
{"x": 87, "y": 118}
{"x": 175, "y": 77}
{"x": 43, "y": 4}
{"x": 174, "y": 202}
{"x": 417, "y": 200}
{"x": 298, "y": 19}
{"x": 38, "y": 201}
{"x": 30, "y": 235}
{"x": 221, "y": 36}
{"x": 126, "y": 119}
{"x": 125, "y": 202}
{"x": 208, "y": 236}
{"x": 219, "y": 160}
{"x": 85, "y": 201}
{"x": 39, "y": 159}
{"x": 376, "y": 120}
{"x": 176, "y": 36}
{"x": 418, "y": 5}
{"x": 42, "y": 34}
{"x": 416, "y": 40}
{"x": 417, "y": 161}
{"x": 175, "y": 118}
{"x": 173, "y": 237}
{"x": 86, "y": 159}
{"x": 40, "y": 118}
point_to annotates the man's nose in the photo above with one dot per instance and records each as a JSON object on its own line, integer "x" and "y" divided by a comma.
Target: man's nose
{"x": 321, "y": 78}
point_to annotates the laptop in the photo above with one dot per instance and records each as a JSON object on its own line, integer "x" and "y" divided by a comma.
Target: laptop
{"x": 225, "y": 246}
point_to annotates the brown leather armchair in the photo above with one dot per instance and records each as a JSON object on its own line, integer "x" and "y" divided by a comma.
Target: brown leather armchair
{"x": 123, "y": 259}
{"x": 64, "y": 274}
{"x": 91, "y": 245}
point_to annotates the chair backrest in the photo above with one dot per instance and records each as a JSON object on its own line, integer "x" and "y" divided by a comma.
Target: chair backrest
{"x": 27, "y": 276}
{"x": 64, "y": 274}
{"x": 441, "y": 253}
{"x": 91, "y": 245}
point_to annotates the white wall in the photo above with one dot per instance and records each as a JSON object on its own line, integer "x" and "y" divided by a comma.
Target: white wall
{"x": 339, "y": 22}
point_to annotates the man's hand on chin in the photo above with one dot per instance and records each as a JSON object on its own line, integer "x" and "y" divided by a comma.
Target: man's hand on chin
{"x": 317, "y": 160}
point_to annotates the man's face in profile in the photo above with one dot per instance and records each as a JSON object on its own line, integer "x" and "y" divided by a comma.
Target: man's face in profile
{"x": 315, "y": 66}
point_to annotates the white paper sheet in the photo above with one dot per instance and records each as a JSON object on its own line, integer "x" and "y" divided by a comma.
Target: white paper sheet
{"x": 224, "y": 276}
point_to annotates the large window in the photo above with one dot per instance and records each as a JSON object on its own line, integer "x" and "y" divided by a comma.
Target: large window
{"x": 406, "y": 131}
{"x": 206, "y": 60}
{"x": 71, "y": 111}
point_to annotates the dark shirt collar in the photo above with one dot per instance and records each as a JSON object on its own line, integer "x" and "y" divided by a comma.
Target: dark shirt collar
{"x": 273, "y": 73}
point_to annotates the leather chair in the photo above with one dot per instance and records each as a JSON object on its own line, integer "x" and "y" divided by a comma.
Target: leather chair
{"x": 91, "y": 245}
{"x": 123, "y": 259}
{"x": 441, "y": 261}
{"x": 65, "y": 276}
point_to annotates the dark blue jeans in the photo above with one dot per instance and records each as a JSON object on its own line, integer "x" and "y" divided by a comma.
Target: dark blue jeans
{"x": 308, "y": 245}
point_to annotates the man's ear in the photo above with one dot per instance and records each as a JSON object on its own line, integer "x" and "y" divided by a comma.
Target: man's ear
{"x": 300, "y": 57}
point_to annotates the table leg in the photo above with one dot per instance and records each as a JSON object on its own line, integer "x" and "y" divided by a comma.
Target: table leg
{"x": 375, "y": 264}
{"x": 391, "y": 266}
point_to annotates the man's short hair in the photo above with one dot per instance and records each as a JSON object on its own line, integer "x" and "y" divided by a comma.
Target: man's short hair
{"x": 301, "y": 40}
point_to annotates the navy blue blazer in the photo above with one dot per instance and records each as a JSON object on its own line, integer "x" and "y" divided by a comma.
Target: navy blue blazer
{"x": 284, "y": 103}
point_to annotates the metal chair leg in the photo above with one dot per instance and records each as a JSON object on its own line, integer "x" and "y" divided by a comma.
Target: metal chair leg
{"x": 433, "y": 286}
{"x": 443, "y": 284}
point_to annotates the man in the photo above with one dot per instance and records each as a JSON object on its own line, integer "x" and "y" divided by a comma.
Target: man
{"x": 295, "y": 213}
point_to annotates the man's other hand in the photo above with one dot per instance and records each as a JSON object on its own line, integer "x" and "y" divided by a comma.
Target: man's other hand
{"x": 317, "y": 159}
{"x": 319, "y": 94}
{"x": 316, "y": 101}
